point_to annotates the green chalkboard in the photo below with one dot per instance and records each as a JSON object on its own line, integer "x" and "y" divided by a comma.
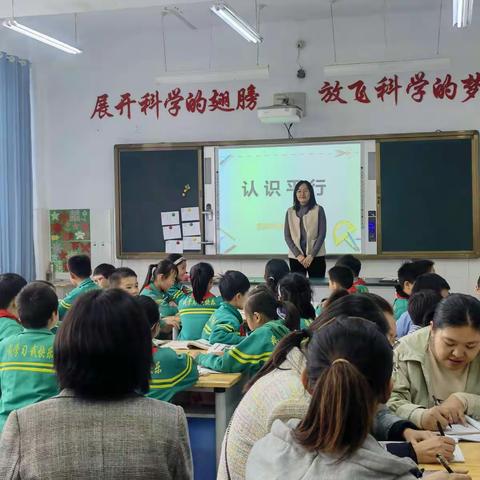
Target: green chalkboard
{"x": 149, "y": 181}
{"x": 428, "y": 195}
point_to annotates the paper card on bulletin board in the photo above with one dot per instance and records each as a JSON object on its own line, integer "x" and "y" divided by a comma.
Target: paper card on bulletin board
{"x": 192, "y": 243}
{"x": 174, "y": 246}
{"x": 172, "y": 232}
{"x": 170, "y": 218}
{"x": 69, "y": 235}
{"x": 191, "y": 229}
{"x": 190, "y": 214}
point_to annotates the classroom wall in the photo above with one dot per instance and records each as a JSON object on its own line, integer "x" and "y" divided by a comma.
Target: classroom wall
{"x": 74, "y": 155}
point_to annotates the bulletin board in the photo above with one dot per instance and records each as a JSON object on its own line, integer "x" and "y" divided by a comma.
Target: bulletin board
{"x": 158, "y": 200}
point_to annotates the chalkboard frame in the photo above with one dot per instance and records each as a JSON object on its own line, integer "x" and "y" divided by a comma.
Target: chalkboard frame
{"x": 118, "y": 149}
{"x": 475, "y": 252}
{"x": 473, "y": 134}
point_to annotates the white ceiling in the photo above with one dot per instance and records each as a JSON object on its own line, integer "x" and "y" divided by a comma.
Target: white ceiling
{"x": 198, "y": 12}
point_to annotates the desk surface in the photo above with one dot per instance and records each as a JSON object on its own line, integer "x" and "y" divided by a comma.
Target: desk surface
{"x": 218, "y": 380}
{"x": 323, "y": 282}
{"x": 471, "y": 452}
{"x": 214, "y": 380}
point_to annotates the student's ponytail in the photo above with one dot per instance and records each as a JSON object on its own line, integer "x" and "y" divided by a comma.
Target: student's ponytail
{"x": 279, "y": 355}
{"x": 200, "y": 275}
{"x": 340, "y": 413}
{"x": 292, "y": 315}
{"x": 349, "y": 366}
{"x": 148, "y": 278}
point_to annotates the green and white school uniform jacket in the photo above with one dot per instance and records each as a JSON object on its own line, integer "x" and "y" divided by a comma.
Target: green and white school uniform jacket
{"x": 163, "y": 300}
{"x": 171, "y": 373}
{"x": 26, "y": 370}
{"x": 305, "y": 322}
{"x": 8, "y": 325}
{"x": 194, "y": 316}
{"x": 66, "y": 303}
{"x": 224, "y": 326}
{"x": 251, "y": 353}
{"x": 178, "y": 291}
{"x": 400, "y": 306}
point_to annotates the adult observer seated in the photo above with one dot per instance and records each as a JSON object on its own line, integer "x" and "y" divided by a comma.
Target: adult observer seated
{"x": 100, "y": 425}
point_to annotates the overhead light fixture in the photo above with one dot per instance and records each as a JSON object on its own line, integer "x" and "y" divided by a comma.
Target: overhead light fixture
{"x": 462, "y": 13}
{"x": 229, "y": 16}
{"x": 256, "y": 73}
{"x": 29, "y": 32}
{"x": 380, "y": 68}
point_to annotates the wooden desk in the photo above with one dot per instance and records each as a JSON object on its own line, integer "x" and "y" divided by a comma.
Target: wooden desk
{"x": 471, "y": 452}
{"x": 226, "y": 389}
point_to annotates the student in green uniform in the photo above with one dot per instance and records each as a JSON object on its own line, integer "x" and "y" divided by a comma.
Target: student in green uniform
{"x": 171, "y": 373}
{"x": 196, "y": 308}
{"x": 26, "y": 359}
{"x": 102, "y": 273}
{"x": 159, "y": 280}
{"x": 407, "y": 274}
{"x": 179, "y": 287}
{"x": 355, "y": 265}
{"x": 126, "y": 279}
{"x": 10, "y": 286}
{"x": 340, "y": 278}
{"x": 80, "y": 269}
{"x": 267, "y": 329}
{"x": 295, "y": 288}
{"x": 224, "y": 325}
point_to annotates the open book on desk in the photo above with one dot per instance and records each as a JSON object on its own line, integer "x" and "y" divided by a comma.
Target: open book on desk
{"x": 468, "y": 433}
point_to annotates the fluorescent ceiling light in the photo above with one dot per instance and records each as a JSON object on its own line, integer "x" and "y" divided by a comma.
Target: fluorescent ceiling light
{"x": 462, "y": 13}
{"x": 257, "y": 73}
{"x": 29, "y": 32}
{"x": 381, "y": 68}
{"x": 230, "y": 17}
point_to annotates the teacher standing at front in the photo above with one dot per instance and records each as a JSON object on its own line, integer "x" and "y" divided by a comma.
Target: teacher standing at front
{"x": 305, "y": 231}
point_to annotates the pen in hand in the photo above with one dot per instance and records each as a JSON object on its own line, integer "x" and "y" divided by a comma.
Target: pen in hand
{"x": 444, "y": 463}
{"x": 436, "y": 402}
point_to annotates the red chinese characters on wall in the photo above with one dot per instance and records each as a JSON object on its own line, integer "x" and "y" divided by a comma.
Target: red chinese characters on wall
{"x": 175, "y": 101}
{"x": 418, "y": 88}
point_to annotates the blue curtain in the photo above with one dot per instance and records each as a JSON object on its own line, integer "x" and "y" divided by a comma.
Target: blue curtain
{"x": 16, "y": 191}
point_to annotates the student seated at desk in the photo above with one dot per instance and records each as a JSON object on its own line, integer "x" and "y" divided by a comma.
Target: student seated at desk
{"x": 158, "y": 282}
{"x": 10, "y": 286}
{"x": 407, "y": 274}
{"x": 102, "y": 273}
{"x": 295, "y": 288}
{"x": 279, "y": 383}
{"x": 178, "y": 288}
{"x": 26, "y": 359}
{"x": 80, "y": 269}
{"x": 267, "y": 329}
{"x": 340, "y": 279}
{"x": 197, "y": 307}
{"x": 348, "y": 380}
{"x": 224, "y": 325}
{"x": 275, "y": 270}
{"x": 427, "y": 281}
{"x": 171, "y": 373}
{"x": 421, "y": 309}
{"x": 355, "y": 265}
{"x": 125, "y": 279}
{"x": 440, "y": 361}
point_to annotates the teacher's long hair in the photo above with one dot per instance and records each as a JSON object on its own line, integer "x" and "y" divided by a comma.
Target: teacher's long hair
{"x": 311, "y": 203}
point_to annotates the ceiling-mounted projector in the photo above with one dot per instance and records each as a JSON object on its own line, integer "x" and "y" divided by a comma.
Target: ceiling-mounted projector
{"x": 287, "y": 108}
